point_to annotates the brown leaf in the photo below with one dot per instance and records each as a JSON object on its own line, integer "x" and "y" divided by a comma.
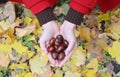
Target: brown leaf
{"x": 25, "y": 31}
{"x": 85, "y": 34}
{"x": 4, "y": 60}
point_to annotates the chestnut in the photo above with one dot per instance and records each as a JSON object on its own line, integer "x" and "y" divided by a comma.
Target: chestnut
{"x": 66, "y": 43}
{"x": 59, "y": 37}
{"x": 60, "y": 48}
{"x": 51, "y": 49}
{"x": 61, "y": 56}
{"x": 54, "y": 55}
{"x": 58, "y": 42}
{"x": 52, "y": 41}
{"x": 56, "y": 47}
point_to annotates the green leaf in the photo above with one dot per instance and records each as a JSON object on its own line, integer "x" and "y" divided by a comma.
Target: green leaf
{"x": 100, "y": 66}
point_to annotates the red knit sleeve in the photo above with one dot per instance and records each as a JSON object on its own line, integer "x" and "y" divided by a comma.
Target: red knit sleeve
{"x": 53, "y": 2}
{"x": 83, "y": 6}
{"x": 18, "y": 1}
{"x": 37, "y": 6}
{"x": 106, "y": 5}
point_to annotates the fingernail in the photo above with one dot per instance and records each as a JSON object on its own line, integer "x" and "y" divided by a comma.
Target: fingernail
{"x": 66, "y": 53}
{"x": 59, "y": 66}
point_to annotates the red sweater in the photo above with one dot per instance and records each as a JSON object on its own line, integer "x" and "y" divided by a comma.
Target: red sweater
{"x": 82, "y": 6}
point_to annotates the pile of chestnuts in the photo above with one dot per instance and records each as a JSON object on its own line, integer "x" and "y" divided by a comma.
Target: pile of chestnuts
{"x": 57, "y": 47}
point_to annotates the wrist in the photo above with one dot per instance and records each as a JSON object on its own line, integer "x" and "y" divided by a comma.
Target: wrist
{"x": 46, "y": 16}
{"x": 74, "y": 17}
{"x": 50, "y": 25}
{"x": 69, "y": 25}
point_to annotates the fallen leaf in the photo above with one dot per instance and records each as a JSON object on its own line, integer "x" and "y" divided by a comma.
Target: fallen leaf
{"x": 78, "y": 58}
{"x": 37, "y": 63}
{"x": 5, "y": 25}
{"x": 4, "y": 60}
{"x": 114, "y": 50}
{"x": 72, "y": 74}
{"x": 25, "y": 31}
{"x": 83, "y": 32}
{"x": 93, "y": 64}
{"x": 27, "y": 20}
{"x": 89, "y": 73}
{"x": 58, "y": 73}
{"x": 19, "y": 66}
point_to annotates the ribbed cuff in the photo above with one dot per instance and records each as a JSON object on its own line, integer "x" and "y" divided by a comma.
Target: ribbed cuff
{"x": 46, "y": 16}
{"x": 74, "y": 17}
{"x": 3, "y": 1}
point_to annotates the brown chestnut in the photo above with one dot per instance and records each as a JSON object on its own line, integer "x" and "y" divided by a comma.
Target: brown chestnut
{"x": 58, "y": 42}
{"x": 54, "y": 55}
{"x": 51, "y": 49}
{"x": 66, "y": 43}
{"x": 60, "y": 48}
{"x": 52, "y": 41}
{"x": 61, "y": 56}
{"x": 56, "y": 47}
{"x": 59, "y": 37}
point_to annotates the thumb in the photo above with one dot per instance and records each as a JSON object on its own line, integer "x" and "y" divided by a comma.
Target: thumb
{"x": 42, "y": 45}
{"x": 68, "y": 56}
{"x": 70, "y": 47}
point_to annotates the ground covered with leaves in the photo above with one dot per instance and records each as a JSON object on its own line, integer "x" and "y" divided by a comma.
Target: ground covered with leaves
{"x": 97, "y": 54}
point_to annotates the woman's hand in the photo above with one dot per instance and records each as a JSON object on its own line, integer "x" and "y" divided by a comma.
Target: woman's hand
{"x": 50, "y": 30}
{"x": 67, "y": 31}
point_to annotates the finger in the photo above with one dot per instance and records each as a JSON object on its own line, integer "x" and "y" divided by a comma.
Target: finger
{"x": 42, "y": 45}
{"x": 68, "y": 56}
{"x": 51, "y": 59}
{"x": 56, "y": 63}
{"x": 70, "y": 47}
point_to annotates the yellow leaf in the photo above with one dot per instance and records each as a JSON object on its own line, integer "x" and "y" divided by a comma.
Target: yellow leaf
{"x": 114, "y": 35}
{"x": 8, "y": 40}
{"x": 78, "y": 58}
{"x": 10, "y": 33}
{"x": 77, "y": 33}
{"x": 93, "y": 64}
{"x": 89, "y": 73}
{"x": 17, "y": 76}
{"x": 38, "y": 27}
{"x": 5, "y": 48}
{"x": 118, "y": 59}
{"x": 104, "y": 74}
{"x": 1, "y": 30}
{"x": 58, "y": 73}
{"x": 20, "y": 49}
{"x": 104, "y": 16}
{"x": 114, "y": 51}
{"x": 29, "y": 75}
{"x": 19, "y": 66}
{"x": 27, "y": 20}
{"x": 83, "y": 32}
{"x": 38, "y": 48}
{"x": 37, "y": 63}
{"x": 72, "y": 74}
{"x": 115, "y": 32}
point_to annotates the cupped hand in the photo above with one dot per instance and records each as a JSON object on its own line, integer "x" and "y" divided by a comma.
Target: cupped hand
{"x": 50, "y": 30}
{"x": 67, "y": 31}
